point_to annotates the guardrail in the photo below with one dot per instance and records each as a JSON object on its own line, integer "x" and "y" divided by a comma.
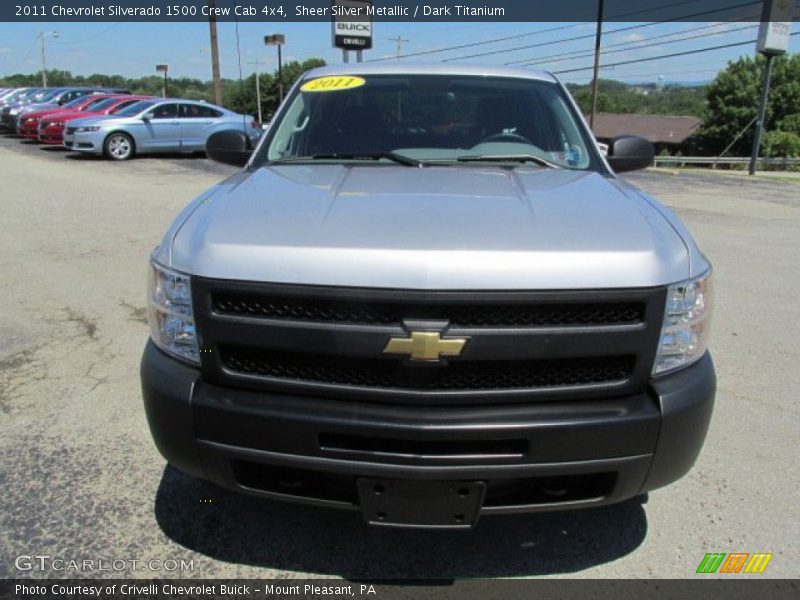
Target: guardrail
{"x": 682, "y": 161}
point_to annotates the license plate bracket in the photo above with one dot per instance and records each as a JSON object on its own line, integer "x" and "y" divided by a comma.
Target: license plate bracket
{"x": 421, "y": 503}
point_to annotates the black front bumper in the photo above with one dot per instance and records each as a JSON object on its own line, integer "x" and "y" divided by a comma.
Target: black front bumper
{"x": 533, "y": 457}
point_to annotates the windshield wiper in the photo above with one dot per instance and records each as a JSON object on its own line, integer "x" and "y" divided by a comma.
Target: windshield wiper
{"x": 393, "y": 156}
{"x": 520, "y": 158}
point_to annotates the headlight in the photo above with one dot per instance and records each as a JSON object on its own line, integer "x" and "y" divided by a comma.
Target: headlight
{"x": 687, "y": 319}
{"x": 88, "y": 128}
{"x": 170, "y": 313}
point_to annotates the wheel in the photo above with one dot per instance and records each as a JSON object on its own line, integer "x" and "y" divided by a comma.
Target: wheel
{"x": 118, "y": 146}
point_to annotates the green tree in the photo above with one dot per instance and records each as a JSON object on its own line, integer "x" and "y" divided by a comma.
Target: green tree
{"x": 733, "y": 99}
{"x": 237, "y": 95}
{"x": 646, "y": 99}
{"x": 241, "y": 95}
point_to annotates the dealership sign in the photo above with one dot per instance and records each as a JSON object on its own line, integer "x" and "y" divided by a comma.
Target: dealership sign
{"x": 776, "y": 25}
{"x": 352, "y": 24}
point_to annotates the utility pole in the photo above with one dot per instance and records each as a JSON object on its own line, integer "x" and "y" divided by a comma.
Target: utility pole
{"x": 43, "y": 35}
{"x": 215, "y": 76}
{"x": 595, "y": 79}
{"x": 399, "y": 41}
{"x": 258, "y": 88}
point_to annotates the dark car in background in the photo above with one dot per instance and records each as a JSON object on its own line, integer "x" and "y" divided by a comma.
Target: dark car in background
{"x": 12, "y": 109}
{"x": 67, "y": 95}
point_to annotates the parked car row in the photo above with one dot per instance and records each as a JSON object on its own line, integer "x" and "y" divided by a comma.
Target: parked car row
{"x": 115, "y": 123}
{"x": 17, "y": 102}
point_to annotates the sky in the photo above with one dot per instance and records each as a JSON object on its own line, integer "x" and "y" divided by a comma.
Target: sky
{"x": 133, "y": 49}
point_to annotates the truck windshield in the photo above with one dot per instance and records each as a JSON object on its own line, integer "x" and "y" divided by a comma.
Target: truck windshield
{"x": 431, "y": 119}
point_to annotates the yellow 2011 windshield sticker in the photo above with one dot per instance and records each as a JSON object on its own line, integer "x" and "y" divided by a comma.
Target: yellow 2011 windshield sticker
{"x": 332, "y": 84}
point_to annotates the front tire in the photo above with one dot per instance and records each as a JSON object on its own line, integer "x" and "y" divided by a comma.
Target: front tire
{"x": 118, "y": 146}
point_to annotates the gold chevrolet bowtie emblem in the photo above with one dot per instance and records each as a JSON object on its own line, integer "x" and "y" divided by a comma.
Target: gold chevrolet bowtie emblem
{"x": 425, "y": 345}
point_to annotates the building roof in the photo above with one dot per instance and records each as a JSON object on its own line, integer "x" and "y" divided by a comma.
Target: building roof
{"x": 655, "y": 128}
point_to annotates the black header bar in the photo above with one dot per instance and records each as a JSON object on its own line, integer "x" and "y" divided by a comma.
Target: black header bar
{"x": 420, "y": 11}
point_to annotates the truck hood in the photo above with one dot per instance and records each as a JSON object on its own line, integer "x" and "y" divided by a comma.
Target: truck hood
{"x": 457, "y": 227}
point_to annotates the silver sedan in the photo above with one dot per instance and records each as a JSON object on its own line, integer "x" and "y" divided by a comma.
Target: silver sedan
{"x": 152, "y": 126}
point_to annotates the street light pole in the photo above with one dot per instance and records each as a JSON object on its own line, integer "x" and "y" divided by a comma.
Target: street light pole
{"x": 762, "y": 114}
{"x": 258, "y": 89}
{"x": 43, "y": 35}
{"x": 163, "y": 69}
{"x": 280, "y": 75}
{"x": 277, "y": 39}
{"x": 773, "y": 39}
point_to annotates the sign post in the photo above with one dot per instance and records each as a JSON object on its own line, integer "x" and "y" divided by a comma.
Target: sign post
{"x": 773, "y": 40}
{"x": 351, "y": 27}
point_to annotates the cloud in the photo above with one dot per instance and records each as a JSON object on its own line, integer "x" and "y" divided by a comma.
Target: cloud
{"x": 5, "y": 50}
{"x": 633, "y": 37}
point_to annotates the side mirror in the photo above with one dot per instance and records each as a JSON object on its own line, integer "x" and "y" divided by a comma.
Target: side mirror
{"x": 630, "y": 153}
{"x": 148, "y": 116}
{"x": 230, "y": 147}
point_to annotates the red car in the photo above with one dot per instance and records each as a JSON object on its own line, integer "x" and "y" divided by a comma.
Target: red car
{"x": 29, "y": 124}
{"x": 51, "y": 127}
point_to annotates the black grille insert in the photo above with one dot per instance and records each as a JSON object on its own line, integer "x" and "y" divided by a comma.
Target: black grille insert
{"x": 457, "y": 376}
{"x": 459, "y": 314}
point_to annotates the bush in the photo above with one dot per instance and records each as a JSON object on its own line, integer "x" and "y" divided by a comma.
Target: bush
{"x": 782, "y": 144}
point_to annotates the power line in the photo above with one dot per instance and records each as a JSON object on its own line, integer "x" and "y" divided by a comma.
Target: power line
{"x": 640, "y": 47}
{"x": 656, "y": 74}
{"x": 686, "y": 53}
{"x": 88, "y": 39}
{"x": 28, "y": 53}
{"x": 473, "y": 44}
{"x": 551, "y": 43}
{"x": 592, "y": 35}
{"x": 529, "y": 33}
{"x": 570, "y": 55}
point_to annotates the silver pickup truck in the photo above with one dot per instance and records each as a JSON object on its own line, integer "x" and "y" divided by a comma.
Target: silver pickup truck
{"x": 427, "y": 296}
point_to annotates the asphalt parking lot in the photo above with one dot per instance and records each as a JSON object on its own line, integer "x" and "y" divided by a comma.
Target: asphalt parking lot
{"x": 81, "y": 478}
